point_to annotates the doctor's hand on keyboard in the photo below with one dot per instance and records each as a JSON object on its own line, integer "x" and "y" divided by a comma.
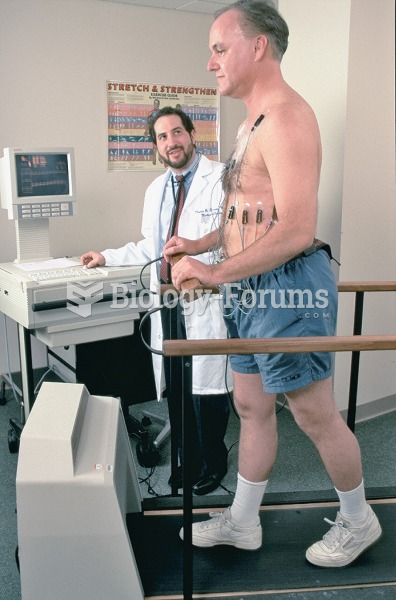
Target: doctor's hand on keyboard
{"x": 92, "y": 259}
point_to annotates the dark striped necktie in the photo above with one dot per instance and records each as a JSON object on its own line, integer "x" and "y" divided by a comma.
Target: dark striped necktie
{"x": 165, "y": 267}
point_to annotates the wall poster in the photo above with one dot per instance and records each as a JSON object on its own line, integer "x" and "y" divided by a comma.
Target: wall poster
{"x": 129, "y": 107}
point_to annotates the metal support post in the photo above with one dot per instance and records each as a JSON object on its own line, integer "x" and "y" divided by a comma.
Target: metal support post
{"x": 354, "y": 375}
{"x": 187, "y": 449}
{"x": 25, "y": 353}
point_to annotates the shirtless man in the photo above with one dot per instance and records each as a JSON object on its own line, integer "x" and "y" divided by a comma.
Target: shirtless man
{"x": 269, "y": 223}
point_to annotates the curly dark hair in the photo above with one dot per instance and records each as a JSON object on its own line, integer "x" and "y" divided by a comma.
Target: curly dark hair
{"x": 166, "y": 111}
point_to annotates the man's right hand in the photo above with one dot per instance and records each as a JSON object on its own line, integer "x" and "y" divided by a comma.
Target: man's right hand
{"x": 178, "y": 245}
{"x": 92, "y": 259}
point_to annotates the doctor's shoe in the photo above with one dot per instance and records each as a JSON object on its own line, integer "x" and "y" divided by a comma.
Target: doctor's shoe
{"x": 219, "y": 529}
{"x": 177, "y": 478}
{"x": 343, "y": 543}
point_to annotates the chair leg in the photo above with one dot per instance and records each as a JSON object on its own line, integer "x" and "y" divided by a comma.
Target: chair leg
{"x": 165, "y": 431}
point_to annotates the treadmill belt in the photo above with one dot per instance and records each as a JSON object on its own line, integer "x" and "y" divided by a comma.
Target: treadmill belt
{"x": 280, "y": 564}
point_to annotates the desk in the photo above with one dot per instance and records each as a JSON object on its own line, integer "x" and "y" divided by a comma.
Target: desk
{"x": 70, "y": 311}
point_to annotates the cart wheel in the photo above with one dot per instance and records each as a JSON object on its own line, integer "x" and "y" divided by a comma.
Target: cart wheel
{"x": 13, "y": 441}
{"x": 146, "y": 421}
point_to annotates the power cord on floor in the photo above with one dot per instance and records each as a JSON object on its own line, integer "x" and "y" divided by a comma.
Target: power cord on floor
{"x": 150, "y": 489}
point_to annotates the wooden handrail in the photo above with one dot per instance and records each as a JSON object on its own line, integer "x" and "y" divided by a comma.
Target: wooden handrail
{"x": 366, "y": 286}
{"x": 284, "y": 345}
{"x": 292, "y": 345}
{"x": 343, "y": 286}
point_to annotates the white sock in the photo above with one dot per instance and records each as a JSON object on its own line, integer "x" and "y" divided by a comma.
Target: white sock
{"x": 353, "y": 505}
{"x": 247, "y": 500}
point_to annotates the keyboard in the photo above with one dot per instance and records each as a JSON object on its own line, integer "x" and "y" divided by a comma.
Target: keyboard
{"x": 67, "y": 273}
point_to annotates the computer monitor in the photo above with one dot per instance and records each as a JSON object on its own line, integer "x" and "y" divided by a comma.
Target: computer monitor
{"x": 36, "y": 184}
{"x": 75, "y": 484}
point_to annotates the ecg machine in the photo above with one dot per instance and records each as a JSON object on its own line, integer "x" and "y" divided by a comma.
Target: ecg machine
{"x": 56, "y": 299}
{"x": 76, "y": 479}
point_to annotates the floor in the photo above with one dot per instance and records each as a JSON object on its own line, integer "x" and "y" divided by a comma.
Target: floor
{"x": 298, "y": 471}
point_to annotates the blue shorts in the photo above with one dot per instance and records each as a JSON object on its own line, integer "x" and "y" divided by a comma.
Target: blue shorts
{"x": 298, "y": 299}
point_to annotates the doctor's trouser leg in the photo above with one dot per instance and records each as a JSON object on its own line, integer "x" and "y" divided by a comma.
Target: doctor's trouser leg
{"x": 211, "y": 413}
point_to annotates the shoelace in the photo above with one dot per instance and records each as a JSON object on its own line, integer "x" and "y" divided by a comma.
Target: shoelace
{"x": 334, "y": 537}
{"x": 215, "y": 517}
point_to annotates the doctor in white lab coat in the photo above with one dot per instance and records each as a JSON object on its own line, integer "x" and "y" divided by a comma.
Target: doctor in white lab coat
{"x": 174, "y": 136}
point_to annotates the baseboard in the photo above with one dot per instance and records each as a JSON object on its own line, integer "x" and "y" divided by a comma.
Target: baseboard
{"x": 364, "y": 412}
{"x": 373, "y": 409}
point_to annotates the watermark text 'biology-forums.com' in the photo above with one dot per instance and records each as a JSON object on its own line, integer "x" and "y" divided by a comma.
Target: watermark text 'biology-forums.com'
{"x": 81, "y": 296}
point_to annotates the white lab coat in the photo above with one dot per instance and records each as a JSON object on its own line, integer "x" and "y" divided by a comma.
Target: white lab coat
{"x": 200, "y": 215}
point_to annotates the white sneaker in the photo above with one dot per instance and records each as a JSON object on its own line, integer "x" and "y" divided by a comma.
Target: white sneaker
{"x": 344, "y": 542}
{"x": 219, "y": 529}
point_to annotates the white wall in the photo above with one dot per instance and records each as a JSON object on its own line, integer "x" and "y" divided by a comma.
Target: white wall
{"x": 316, "y": 65}
{"x": 368, "y": 236}
{"x": 58, "y": 54}
{"x": 345, "y": 69}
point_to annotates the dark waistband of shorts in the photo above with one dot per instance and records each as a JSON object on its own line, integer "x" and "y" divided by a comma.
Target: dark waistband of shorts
{"x": 314, "y": 247}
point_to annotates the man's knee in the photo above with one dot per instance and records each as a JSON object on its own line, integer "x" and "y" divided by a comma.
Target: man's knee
{"x": 313, "y": 407}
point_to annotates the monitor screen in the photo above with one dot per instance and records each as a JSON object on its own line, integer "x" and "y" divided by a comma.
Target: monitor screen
{"x": 37, "y": 182}
{"x": 42, "y": 175}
